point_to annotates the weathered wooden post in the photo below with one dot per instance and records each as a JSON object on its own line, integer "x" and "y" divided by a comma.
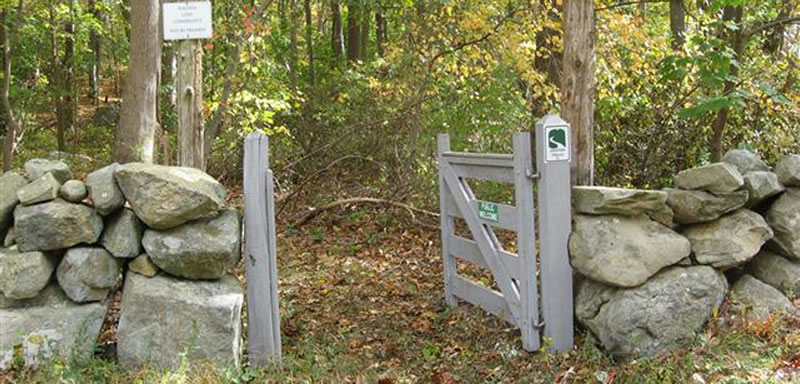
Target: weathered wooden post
{"x": 555, "y": 224}
{"x": 263, "y": 328}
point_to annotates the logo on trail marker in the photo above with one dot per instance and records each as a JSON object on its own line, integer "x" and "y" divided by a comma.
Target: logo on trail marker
{"x": 489, "y": 211}
{"x": 557, "y": 148}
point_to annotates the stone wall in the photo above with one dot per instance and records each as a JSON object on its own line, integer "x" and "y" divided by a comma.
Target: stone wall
{"x": 654, "y": 266}
{"x": 162, "y": 233}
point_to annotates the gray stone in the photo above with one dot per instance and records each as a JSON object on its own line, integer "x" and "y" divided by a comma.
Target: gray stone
{"x": 204, "y": 321}
{"x": 24, "y": 274}
{"x": 692, "y": 207}
{"x": 623, "y": 251}
{"x": 664, "y": 216}
{"x": 143, "y": 266}
{"x": 745, "y": 161}
{"x": 11, "y": 238}
{"x": 761, "y": 186}
{"x": 56, "y": 225}
{"x": 784, "y": 218}
{"x": 777, "y": 271}
{"x": 732, "y": 240}
{"x": 88, "y": 274}
{"x": 183, "y": 194}
{"x": 123, "y": 234}
{"x": 714, "y": 178}
{"x": 760, "y": 300}
{"x": 73, "y": 191}
{"x": 202, "y": 249}
{"x": 10, "y": 183}
{"x": 37, "y": 168}
{"x": 659, "y": 316}
{"x": 49, "y": 326}
{"x": 616, "y": 201}
{"x": 104, "y": 191}
{"x": 40, "y": 190}
{"x": 788, "y": 170}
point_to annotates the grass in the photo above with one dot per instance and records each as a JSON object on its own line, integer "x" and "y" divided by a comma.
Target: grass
{"x": 362, "y": 303}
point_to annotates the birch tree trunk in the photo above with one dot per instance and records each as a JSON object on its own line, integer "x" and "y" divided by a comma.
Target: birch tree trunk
{"x": 135, "y": 135}
{"x": 577, "y": 86}
{"x": 337, "y": 31}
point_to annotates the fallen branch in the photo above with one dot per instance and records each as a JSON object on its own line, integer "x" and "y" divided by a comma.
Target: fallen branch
{"x": 361, "y": 200}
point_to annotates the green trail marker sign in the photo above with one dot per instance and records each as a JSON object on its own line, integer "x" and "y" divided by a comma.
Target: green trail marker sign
{"x": 557, "y": 148}
{"x": 489, "y": 211}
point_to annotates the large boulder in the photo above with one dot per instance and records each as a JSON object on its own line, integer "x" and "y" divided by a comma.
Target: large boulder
{"x": 616, "y": 201}
{"x": 103, "y": 190}
{"x": 784, "y": 218}
{"x": 123, "y": 234}
{"x": 37, "y": 168}
{"x": 40, "y": 190}
{"x": 692, "y": 207}
{"x": 24, "y": 274}
{"x": 203, "y": 322}
{"x": 745, "y": 161}
{"x": 776, "y": 271}
{"x": 714, "y": 178}
{"x": 10, "y": 183}
{"x": 88, "y": 274}
{"x": 788, "y": 170}
{"x": 202, "y": 249}
{"x": 659, "y": 316}
{"x": 623, "y": 251}
{"x": 183, "y": 194}
{"x": 761, "y": 186}
{"x": 47, "y": 327}
{"x": 73, "y": 191}
{"x": 56, "y": 225}
{"x": 732, "y": 240}
{"x": 760, "y": 300}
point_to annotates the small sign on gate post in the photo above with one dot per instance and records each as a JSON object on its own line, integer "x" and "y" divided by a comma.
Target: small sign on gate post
{"x": 557, "y": 148}
{"x": 489, "y": 211}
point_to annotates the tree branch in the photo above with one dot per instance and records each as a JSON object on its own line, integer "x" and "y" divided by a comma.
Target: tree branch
{"x": 772, "y": 24}
{"x": 625, "y": 3}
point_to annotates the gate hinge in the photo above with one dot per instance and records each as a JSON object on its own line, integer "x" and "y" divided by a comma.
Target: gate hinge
{"x": 531, "y": 175}
{"x": 540, "y": 325}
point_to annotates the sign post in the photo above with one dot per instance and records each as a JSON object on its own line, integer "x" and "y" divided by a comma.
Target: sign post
{"x": 188, "y": 23}
{"x": 555, "y": 224}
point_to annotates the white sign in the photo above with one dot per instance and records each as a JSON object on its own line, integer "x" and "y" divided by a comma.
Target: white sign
{"x": 187, "y": 20}
{"x": 557, "y": 148}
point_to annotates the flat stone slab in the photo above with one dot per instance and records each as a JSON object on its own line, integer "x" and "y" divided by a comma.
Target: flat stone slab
{"x": 760, "y": 300}
{"x": 49, "y": 326}
{"x": 56, "y": 225}
{"x": 777, "y": 271}
{"x": 37, "y": 168}
{"x": 730, "y": 241}
{"x": 761, "y": 186}
{"x": 714, "y": 178}
{"x": 616, "y": 201}
{"x": 40, "y": 190}
{"x": 691, "y": 207}
{"x": 745, "y": 161}
{"x": 162, "y": 317}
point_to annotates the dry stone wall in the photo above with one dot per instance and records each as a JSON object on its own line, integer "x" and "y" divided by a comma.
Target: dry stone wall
{"x": 654, "y": 266}
{"x": 162, "y": 234}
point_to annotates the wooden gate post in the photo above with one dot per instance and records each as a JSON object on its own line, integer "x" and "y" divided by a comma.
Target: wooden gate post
{"x": 555, "y": 224}
{"x": 263, "y": 326}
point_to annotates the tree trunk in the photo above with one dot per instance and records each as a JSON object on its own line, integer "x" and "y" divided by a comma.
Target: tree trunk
{"x": 293, "y": 41}
{"x": 643, "y": 9}
{"x": 677, "y": 23}
{"x": 577, "y": 91}
{"x": 189, "y": 88}
{"x": 310, "y": 41}
{"x": 380, "y": 33}
{"x": 12, "y": 124}
{"x": 337, "y": 33}
{"x": 136, "y": 131}
{"x": 363, "y": 52}
{"x": 227, "y": 89}
{"x": 95, "y": 46}
{"x": 353, "y": 30}
{"x": 547, "y": 58}
{"x": 736, "y": 39}
{"x": 65, "y": 98}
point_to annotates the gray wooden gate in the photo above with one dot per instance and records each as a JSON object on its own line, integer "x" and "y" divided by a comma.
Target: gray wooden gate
{"x": 518, "y": 276}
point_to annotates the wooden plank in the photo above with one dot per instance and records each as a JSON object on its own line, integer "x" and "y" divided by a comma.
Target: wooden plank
{"x": 481, "y": 234}
{"x": 509, "y": 215}
{"x": 468, "y": 251}
{"x": 447, "y": 224}
{"x": 501, "y": 160}
{"x": 487, "y": 299}
{"x": 555, "y": 224}
{"x": 479, "y": 172}
{"x": 526, "y": 242}
{"x": 260, "y": 329}
{"x": 274, "y": 295}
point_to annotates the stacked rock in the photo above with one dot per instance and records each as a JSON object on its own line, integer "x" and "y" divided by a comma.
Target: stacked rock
{"x": 67, "y": 243}
{"x": 651, "y": 263}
